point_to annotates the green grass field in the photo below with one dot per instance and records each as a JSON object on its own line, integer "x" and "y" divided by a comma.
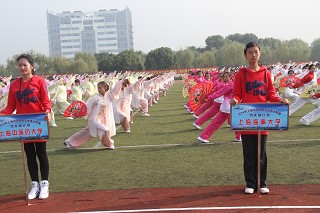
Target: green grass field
{"x": 162, "y": 151}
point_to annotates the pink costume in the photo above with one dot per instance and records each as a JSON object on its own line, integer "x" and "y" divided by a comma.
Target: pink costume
{"x": 100, "y": 120}
{"x": 215, "y": 107}
{"x": 209, "y": 103}
{"x": 223, "y": 114}
{"x": 121, "y": 107}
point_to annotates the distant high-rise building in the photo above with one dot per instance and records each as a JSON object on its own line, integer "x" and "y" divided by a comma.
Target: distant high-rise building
{"x": 96, "y": 32}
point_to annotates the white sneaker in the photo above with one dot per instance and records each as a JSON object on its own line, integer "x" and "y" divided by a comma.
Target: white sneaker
{"x": 202, "y": 140}
{"x": 238, "y": 140}
{"x": 44, "y": 189}
{"x": 155, "y": 102}
{"x": 196, "y": 126}
{"x": 194, "y": 115}
{"x": 145, "y": 114}
{"x": 264, "y": 190}
{"x": 249, "y": 190}
{"x": 69, "y": 118}
{"x": 128, "y": 131}
{"x": 189, "y": 111}
{"x": 185, "y": 106}
{"x": 131, "y": 122}
{"x": 35, "y": 190}
{"x": 67, "y": 145}
{"x": 53, "y": 125}
{"x": 111, "y": 147}
{"x": 304, "y": 122}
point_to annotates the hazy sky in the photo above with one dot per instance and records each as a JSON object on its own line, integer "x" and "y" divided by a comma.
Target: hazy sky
{"x": 169, "y": 23}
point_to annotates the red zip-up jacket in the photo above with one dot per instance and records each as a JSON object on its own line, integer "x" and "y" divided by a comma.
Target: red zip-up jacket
{"x": 28, "y": 97}
{"x": 254, "y": 87}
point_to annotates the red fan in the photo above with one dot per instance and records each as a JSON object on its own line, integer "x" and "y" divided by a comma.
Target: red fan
{"x": 76, "y": 109}
{"x": 199, "y": 93}
{"x": 289, "y": 81}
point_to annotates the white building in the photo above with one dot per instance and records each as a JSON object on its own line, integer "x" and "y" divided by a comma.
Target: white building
{"x": 101, "y": 31}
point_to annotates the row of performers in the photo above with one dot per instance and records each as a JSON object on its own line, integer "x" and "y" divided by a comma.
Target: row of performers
{"x": 107, "y": 98}
{"x": 212, "y": 91}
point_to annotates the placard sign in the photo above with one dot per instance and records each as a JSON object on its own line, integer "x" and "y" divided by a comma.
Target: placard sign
{"x": 23, "y": 127}
{"x": 259, "y": 116}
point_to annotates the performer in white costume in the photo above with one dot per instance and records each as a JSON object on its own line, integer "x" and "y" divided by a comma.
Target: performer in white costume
{"x": 100, "y": 118}
{"x": 122, "y": 106}
{"x": 77, "y": 92}
{"x": 60, "y": 99}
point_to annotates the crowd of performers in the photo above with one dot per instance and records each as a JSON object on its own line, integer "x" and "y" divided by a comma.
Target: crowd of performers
{"x": 216, "y": 105}
{"x": 110, "y": 100}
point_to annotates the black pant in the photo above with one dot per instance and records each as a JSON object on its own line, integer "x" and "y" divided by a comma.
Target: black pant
{"x": 32, "y": 151}
{"x": 250, "y": 157}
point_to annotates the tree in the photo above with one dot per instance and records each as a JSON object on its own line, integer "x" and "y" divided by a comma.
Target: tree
{"x": 105, "y": 61}
{"x": 243, "y": 39}
{"x": 128, "y": 60}
{"x": 249, "y": 37}
{"x": 315, "y": 50}
{"x": 160, "y": 58}
{"x": 269, "y": 42}
{"x": 89, "y": 59}
{"x": 61, "y": 65}
{"x": 298, "y": 50}
{"x": 214, "y": 42}
{"x": 231, "y": 54}
{"x": 184, "y": 58}
{"x": 79, "y": 66}
{"x": 4, "y": 71}
{"x": 206, "y": 59}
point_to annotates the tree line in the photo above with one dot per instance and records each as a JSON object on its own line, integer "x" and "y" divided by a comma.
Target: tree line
{"x": 219, "y": 51}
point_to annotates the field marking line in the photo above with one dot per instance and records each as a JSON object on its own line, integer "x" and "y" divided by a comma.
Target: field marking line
{"x": 166, "y": 145}
{"x": 209, "y": 208}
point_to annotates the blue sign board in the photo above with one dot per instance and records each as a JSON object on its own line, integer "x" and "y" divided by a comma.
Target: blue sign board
{"x": 23, "y": 127}
{"x": 259, "y": 116}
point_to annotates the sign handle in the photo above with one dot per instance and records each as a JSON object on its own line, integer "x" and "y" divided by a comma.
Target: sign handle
{"x": 259, "y": 163}
{"x": 24, "y": 171}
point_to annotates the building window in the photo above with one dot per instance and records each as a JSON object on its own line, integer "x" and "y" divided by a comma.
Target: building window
{"x": 107, "y": 45}
{"x": 70, "y": 40}
{"x": 70, "y": 47}
{"x": 70, "y": 34}
{"x": 88, "y": 27}
{"x": 77, "y": 22}
{"x": 88, "y": 22}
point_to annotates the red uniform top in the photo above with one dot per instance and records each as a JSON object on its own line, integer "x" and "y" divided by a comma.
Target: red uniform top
{"x": 28, "y": 97}
{"x": 254, "y": 87}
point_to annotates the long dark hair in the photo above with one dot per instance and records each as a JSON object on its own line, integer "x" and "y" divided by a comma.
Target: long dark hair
{"x": 29, "y": 59}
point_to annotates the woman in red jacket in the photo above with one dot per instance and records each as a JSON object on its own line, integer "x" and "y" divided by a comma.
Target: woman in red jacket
{"x": 253, "y": 84}
{"x": 28, "y": 94}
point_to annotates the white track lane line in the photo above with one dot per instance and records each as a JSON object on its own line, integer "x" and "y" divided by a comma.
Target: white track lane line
{"x": 208, "y": 208}
{"x": 166, "y": 145}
